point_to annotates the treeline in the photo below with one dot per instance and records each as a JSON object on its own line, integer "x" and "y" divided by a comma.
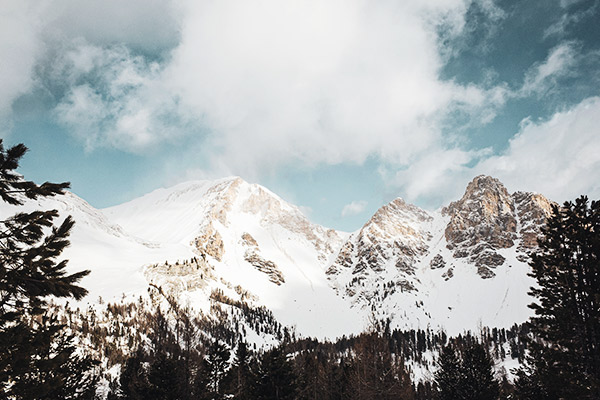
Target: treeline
{"x": 171, "y": 352}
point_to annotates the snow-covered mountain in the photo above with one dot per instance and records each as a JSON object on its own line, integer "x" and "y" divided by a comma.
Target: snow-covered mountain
{"x": 456, "y": 268}
{"x": 460, "y": 267}
{"x": 248, "y": 242}
{"x": 113, "y": 255}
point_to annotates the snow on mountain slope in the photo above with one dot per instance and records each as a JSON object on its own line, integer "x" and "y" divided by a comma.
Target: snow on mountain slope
{"x": 253, "y": 239}
{"x": 383, "y": 254}
{"x": 114, "y": 257}
{"x": 459, "y": 268}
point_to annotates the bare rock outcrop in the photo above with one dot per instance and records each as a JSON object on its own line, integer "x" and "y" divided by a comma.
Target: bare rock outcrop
{"x": 532, "y": 209}
{"x": 252, "y": 256}
{"x": 180, "y": 276}
{"x": 210, "y": 243}
{"x": 394, "y": 237}
{"x": 437, "y": 262}
{"x": 482, "y": 222}
{"x": 488, "y": 219}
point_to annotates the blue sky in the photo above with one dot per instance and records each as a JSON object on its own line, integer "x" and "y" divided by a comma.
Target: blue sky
{"x": 337, "y": 106}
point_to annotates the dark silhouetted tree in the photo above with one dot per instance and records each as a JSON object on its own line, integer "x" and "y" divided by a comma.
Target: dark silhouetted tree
{"x": 448, "y": 375}
{"x": 564, "y": 359}
{"x": 275, "y": 376}
{"x": 211, "y": 377}
{"x": 466, "y": 375}
{"x": 241, "y": 379}
{"x": 37, "y": 356}
{"x": 377, "y": 373}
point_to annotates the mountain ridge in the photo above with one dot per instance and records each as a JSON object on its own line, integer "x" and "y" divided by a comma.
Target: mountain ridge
{"x": 405, "y": 265}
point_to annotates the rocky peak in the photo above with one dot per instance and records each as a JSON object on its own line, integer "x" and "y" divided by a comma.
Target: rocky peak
{"x": 481, "y": 222}
{"x": 487, "y": 218}
{"x": 252, "y": 255}
{"x": 225, "y": 194}
{"x": 393, "y": 240}
{"x": 231, "y": 199}
{"x": 396, "y": 218}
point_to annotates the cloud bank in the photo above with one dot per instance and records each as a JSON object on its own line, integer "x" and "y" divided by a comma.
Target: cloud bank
{"x": 558, "y": 157}
{"x": 263, "y": 85}
{"x": 317, "y": 82}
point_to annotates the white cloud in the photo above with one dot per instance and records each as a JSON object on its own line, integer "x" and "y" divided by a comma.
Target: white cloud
{"x": 354, "y": 208}
{"x": 559, "y": 157}
{"x": 318, "y": 82}
{"x": 274, "y": 82}
{"x": 143, "y": 25}
{"x": 19, "y": 48}
{"x": 558, "y": 64}
{"x": 439, "y": 176}
{"x": 34, "y": 33}
{"x": 561, "y": 27}
{"x": 116, "y": 99}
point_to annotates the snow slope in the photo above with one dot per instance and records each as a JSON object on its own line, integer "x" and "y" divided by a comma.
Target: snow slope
{"x": 254, "y": 239}
{"x": 114, "y": 257}
{"x": 457, "y": 268}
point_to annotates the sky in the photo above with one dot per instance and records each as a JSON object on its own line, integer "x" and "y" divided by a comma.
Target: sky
{"x": 338, "y": 106}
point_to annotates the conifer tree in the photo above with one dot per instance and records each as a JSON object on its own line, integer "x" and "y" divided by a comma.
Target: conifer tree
{"x": 134, "y": 379}
{"x": 376, "y": 372}
{"x": 37, "y": 356}
{"x": 448, "y": 376}
{"x": 166, "y": 378}
{"x": 478, "y": 381}
{"x": 564, "y": 361}
{"x": 466, "y": 375}
{"x": 275, "y": 378}
{"x": 241, "y": 376}
{"x": 211, "y": 377}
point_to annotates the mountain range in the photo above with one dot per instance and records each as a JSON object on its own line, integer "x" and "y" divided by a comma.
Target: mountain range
{"x": 457, "y": 268}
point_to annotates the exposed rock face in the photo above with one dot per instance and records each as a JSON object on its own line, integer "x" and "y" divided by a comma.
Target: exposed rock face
{"x": 394, "y": 238}
{"x": 274, "y": 212}
{"x": 488, "y": 218}
{"x": 448, "y": 274}
{"x": 482, "y": 222}
{"x": 533, "y": 210}
{"x": 252, "y": 255}
{"x": 210, "y": 243}
{"x": 225, "y": 194}
{"x": 454, "y": 267}
{"x": 382, "y": 258}
{"x": 437, "y": 262}
{"x": 181, "y": 276}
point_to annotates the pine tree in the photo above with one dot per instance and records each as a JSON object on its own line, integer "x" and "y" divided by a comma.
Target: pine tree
{"x": 275, "y": 378}
{"x": 448, "y": 375}
{"x": 241, "y": 376}
{"x": 376, "y": 372}
{"x": 466, "y": 375}
{"x": 210, "y": 379}
{"x": 478, "y": 374}
{"x": 564, "y": 361}
{"x": 134, "y": 379}
{"x": 37, "y": 356}
{"x": 165, "y": 377}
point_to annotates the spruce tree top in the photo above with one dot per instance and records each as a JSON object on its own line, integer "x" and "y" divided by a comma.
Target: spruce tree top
{"x": 30, "y": 244}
